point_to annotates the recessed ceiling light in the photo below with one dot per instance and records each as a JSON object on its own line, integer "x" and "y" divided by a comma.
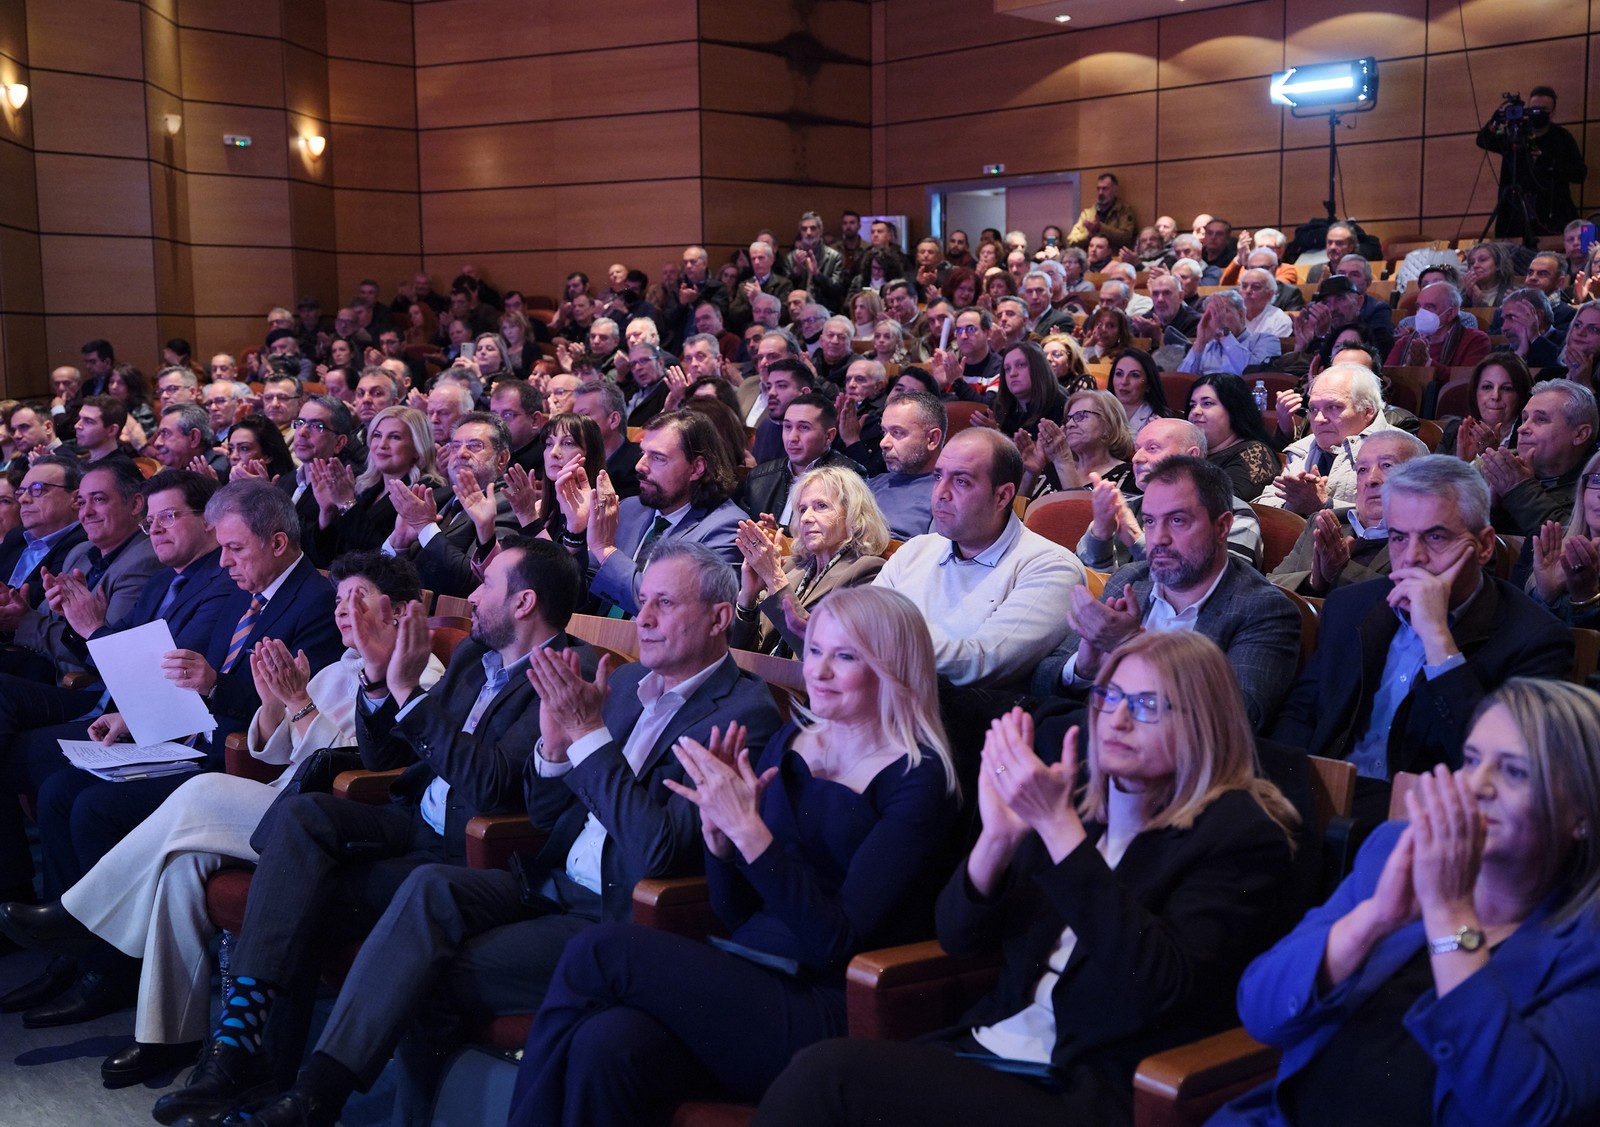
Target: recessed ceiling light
{"x": 1063, "y": 19}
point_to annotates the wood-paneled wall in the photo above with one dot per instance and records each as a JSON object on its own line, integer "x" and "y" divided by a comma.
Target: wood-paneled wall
{"x": 536, "y": 139}
{"x": 1178, "y": 105}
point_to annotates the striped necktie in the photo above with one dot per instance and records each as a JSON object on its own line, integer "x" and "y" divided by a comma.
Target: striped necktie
{"x": 241, "y": 633}
{"x": 652, "y": 534}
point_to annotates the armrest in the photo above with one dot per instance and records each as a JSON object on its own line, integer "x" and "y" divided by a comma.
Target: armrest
{"x": 902, "y": 992}
{"x": 1186, "y": 1085}
{"x": 236, "y": 754}
{"x": 493, "y": 838}
{"x": 371, "y": 787}
{"x": 80, "y": 679}
{"x": 681, "y": 905}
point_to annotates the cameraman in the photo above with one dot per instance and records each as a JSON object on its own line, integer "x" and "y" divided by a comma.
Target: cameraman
{"x": 1549, "y": 161}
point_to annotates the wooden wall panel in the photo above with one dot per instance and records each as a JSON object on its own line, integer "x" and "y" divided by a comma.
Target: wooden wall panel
{"x": 370, "y": 222}
{"x": 77, "y": 113}
{"x": 1372, "y": 189}
{"x": 742, "y": 80}
{"x": 312, "y": 220}
{"x": 25, "y": 373}
{"x": 93, "y": 195}
{"x": 627, "y": 147}
{"x": 160, "y": 52}
{"x": 89, "y": 36}
{"x": 1320, "y": 31}
{"x": 1219, "y": 44}
{"x": 761, "y": 149}
{"x": 455, "y": 223}
{"x": 1189, "y": 187}
{"x": 1223, "y": 117}
{"x": 307, "y": 79}
{"x": 628, "y": 80}
{"x": 456, "y": 31}
{"x": 374, "y": 158}
{"x": 134, "y": 337}
{"x": 244, "y": 17}
{"x": 232, "y": 335}
{"x": 174, "y": 282}
{"x": 21, "y": 279}
{"x": 1450, "y": 106}
{"x": 86, "y": 274}
{"x": 238, "y": 211}
{"x": 389, "y": 270}
{"x": 13, "y": 40}
{"x": 237, "y": 69}
{"x": 372, "y": 94}
{"x": 841, "y": 27}
{"x": 1492, "y": 23}
{"x": 938, "y": 27}
{"x": 735, "y": 210}
{"x": 1399, "y": 112}
{"x": 204, "y": 125}
{"x": 379, "y": 30}
{"x": 19, "y": 202}
{"x": 169, "y": 203}
{"x": 1456, "y": 179}
{"x": 233, "y": 280}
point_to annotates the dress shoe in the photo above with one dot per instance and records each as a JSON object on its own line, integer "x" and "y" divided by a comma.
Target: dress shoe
{"x": 48, "y": 927}
{"x": 226, "y": 1077}
{"x": 95, "y": 994}
{"x": 59, "y": 974}
{"x": 137, "y": 1062}
{"x": 295, "y": 1108}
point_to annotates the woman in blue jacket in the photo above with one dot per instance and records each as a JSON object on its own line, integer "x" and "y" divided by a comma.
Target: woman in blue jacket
{"x": 1454, "y": 978}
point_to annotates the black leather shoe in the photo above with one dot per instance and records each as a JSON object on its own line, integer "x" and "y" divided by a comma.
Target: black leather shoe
{"x": 137, "y": 1062}
{"x": 59, "y": 974}
{"x": 95, "y": 994}
{"x": 226, "y": 1077}
{"x": 46, "y": 926}
{"x": 295, "y": 1108}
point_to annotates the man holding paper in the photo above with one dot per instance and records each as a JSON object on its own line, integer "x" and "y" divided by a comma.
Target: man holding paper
{"x": 188, "y": 592}
{"x": 279, "y": 595}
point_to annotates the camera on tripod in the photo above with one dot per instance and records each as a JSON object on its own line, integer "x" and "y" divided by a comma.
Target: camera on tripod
{"x": 1512, "y": 108}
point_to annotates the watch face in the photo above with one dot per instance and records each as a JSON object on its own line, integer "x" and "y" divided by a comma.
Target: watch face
{"x": 1470, "y": 938}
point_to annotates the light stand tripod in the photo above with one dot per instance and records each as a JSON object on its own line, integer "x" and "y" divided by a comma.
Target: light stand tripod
{"x": 1334, "y": 118}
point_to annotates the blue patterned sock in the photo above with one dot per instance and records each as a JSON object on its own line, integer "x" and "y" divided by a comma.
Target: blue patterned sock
{"x": 244, "y": 1014}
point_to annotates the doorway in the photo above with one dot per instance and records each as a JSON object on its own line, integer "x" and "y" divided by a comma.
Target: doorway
{"x": 1006, "y": 203}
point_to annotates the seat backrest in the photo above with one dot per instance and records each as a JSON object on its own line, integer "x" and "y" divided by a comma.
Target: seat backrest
{"x": 784, "y": 676}
{"x": 1333, "y": 789}
{"x": 1401, "y": 785}
{"x": 960, "y": 416}
{"x": 1431, "y": 434}
{"x": 1585, "y": 654}
{"x": 1176, "y": 385}
{"x": 1096, "y": 581}
{"x": 1279, "y": 530}
{"x": 619, "y": 636}
{"x": 1060, "y": 518}
{"x": 452, "y": 606}
{"x": 1309, "y": 624}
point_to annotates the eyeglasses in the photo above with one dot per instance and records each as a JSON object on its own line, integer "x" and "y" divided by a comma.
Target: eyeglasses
{"x": 36, "y": 489}
{"x": 471, "y": 446}
{"x": 1146, "y": 708}
{"x": 966, "y": 330}
{"x": 1591, "y": 480}
{"x": 164, "y": 520}
{"x": 317, "y": 425}
{"x": 1081, "y": 417}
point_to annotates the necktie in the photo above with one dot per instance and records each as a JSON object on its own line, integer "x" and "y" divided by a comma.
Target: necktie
{"x": 657, "y": 527}
{"x": 1325, "y": 462}
{"x": 171, "y": 596}
{"x": 241, "y": 633}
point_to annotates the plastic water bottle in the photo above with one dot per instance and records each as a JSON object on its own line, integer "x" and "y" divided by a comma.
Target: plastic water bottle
{"x": 1259, "y": 394}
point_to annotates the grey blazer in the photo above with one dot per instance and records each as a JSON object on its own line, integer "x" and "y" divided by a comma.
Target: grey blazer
{"x": 771, "y": 627}
{"x": 48, "y": 633}
{"x": 1295, "y": 571}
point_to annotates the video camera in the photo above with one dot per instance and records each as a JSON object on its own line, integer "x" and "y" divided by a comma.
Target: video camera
{"x": 1511, "y": 108}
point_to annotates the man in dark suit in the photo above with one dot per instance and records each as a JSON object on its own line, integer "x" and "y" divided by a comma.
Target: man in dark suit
{"x": 685, "y": 488}
{"x": 647, "y": 386}
{"x": 1188, "y": 580}
{"x": 762, "y": 279}
{"x": 328, "y": 867}
{"x": 695, "y": 285}
{"x": 443, "y": 540}
{"x": 816, "y": 266}
{"x": 810, "y": 425}
{"x": 489, "y": 940}
{"x": 47, "y": 506}
{"x": 323, "y": 429}
{"x": 278, "y": 594}
{"x": 175, "y": 504}
{"x": 602, "y": 401}
{"x": 1402, "y": 662}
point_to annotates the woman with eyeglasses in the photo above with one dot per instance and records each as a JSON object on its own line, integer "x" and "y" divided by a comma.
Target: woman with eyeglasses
{"x": 1093, "y": 438}
{"x": 1124, "y": 908}
{"x": 1454, "y": 977}
{"x": 146, "y": 896}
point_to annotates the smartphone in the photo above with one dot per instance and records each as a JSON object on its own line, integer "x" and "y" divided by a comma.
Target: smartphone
{"x": 1052, "y": 241}
{"x": 1588, "y": 237}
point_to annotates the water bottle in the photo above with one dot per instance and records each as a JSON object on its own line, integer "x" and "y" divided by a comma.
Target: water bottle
{"x": 1259, "y": 394}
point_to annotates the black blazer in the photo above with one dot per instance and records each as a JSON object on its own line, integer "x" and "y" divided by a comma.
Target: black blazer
{"x": 1162, "y": 939}
{"x": 766, "y": 490}
{"x": 650, "y": 406}
{"x": 623, "y": 469}
{"x": 1503, "y": 634}
{"x": 371, "y": 521}
{"x": 192, "y": 618}
{"x": 11, "y": 551}
{"x": 445, "y": 562}
{"x": 484, "y": 768}
{"x": 650, "y": 831}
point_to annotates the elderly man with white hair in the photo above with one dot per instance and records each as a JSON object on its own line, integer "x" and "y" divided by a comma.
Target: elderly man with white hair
{"x": 1188, "y": 271}
{"x": 1223, "y": 344}
{"x": 1138, "y": 304}
{"x": 763, "y": 279}
{"x": 1258, "y": 287}
{"x": 1319, "y": 470}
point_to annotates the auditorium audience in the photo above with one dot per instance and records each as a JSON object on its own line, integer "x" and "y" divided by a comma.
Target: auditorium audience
{"x": 1500, "y": 388}
{"x": 1124, "y": 917}
{"x": 1236, "y": 438}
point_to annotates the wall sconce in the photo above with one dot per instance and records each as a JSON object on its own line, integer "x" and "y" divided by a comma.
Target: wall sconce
{"x": 171, "y": 122}
{"x": 16, "y": 94}
{"x": 314, "y": 143}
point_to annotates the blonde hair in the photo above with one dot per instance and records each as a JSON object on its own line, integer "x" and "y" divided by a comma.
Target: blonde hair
{"x": 1119, "y": 438}
{"x": 858, "y": 509}
{"x": 1207, "y": 732}
{"x": 1579, "y": 524}
{"x": 1561, "y": 724}
{"x": 423, "y": 469}
{"x": 892, "y": 637}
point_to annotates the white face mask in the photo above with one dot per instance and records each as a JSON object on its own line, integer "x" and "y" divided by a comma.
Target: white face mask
{"x": 1427, "y": 322}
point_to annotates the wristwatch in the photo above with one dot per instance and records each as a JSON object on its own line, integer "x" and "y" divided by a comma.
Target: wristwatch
{"x": 1463, "y": 938}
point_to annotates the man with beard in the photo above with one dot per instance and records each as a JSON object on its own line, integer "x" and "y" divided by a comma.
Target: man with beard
{"x": 1188, "y": 580}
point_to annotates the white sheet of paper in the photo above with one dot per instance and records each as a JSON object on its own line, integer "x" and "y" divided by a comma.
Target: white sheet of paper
{"x": 89, "y": 755}
{"x": 154, "y": 708}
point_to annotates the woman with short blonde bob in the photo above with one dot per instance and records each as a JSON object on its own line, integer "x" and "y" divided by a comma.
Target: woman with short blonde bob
{"x": 1124, "y": 917}
{"x": 839, "y": 538}
{"x": 822, "y": 848}
{"x": 1456, "y": 971}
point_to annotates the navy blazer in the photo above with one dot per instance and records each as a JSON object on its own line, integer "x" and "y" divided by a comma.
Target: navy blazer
{"x": 445, "y": 562}
{"x": 484, "y": 768}
{"x": 193, "y": 615}
{"x": 618, "y": 578}
{"x": 1503, "y": 634}
{"x": 11, "y": 551}
{"x": 1516, "y": 1039}
{"x": 300, "y": 615}
{"x": 650, "y": 832}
